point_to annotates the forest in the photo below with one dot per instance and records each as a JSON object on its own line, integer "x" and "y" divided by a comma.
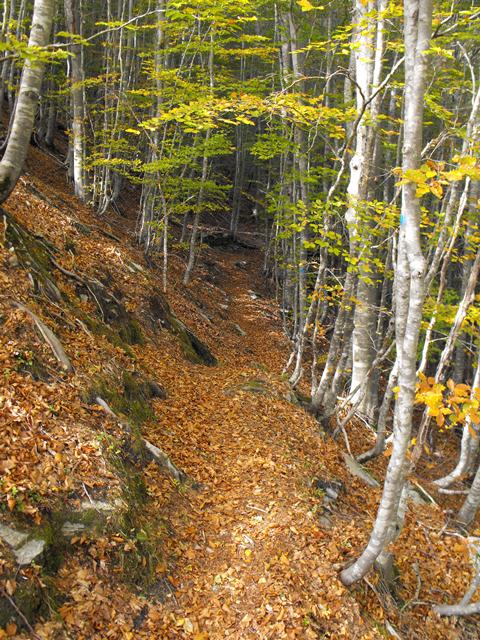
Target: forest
{"x": 240, "y": 319}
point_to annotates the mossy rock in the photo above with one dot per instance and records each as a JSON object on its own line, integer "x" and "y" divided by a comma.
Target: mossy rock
{"x": 101, "y": 329}
{"x": 70, "y": 246}
{"x": 144, "y": 528}
{"x": 194, "y": 350}
{"x": 33, "y": 254}
{"x": 128, "y": 395}
{"x": 130, "y": 331}
{"x": 113, "y": 312}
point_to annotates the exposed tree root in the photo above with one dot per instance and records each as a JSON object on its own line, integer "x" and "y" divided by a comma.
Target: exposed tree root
{"x": 49, "y": 337}
{"x": 153, "y": 452}
{"x": 464, "y": 607}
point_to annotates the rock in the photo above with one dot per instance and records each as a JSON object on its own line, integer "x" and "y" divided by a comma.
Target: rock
{"x": 30, "y": 551}
{"x": 206, "y": 317}
{"x": 253, "y": 295}
{"x": 194, "y": 350}
{"x": 223, "y": 306}
{"x": 241, "y": 264}
{"x": 133, "y": 267}
{"x": 24, "y": 548}
{"x": 70, "y": 529}
{"x": 98, "y": 505}
{"x": 359, "y": 472}
{"x": 325, "y": 522}
{"x": 331, "y": 488}
{"x": 11, "y": 536}
{"x": 157, "y": 390}
{"x": 239, "y": 330}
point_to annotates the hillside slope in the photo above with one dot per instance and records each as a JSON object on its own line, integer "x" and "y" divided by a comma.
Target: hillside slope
{"x": 248, "y": 546}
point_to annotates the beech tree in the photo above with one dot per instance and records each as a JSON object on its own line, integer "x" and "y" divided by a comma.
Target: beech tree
{"x": 409, "y": 285}
{"x": 23, "y": 119}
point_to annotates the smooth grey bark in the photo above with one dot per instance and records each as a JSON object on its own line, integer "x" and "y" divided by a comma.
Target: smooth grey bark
{"x": 379, "y": 446}
{"x": 13, "y": 159}
{"x": 73, "y": 22}
{"x": 409, "y": 287}
{"x": 470, "y": 506}
{"x": 370, "y": 37}
{"x": 322, "y": 394}
{"x": 8, "y": 13}
{"x": 196, "y": 219}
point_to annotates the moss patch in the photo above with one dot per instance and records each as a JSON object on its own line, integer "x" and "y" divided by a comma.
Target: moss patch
{"x": 127, "y": 395}
{"x": 33, "y": 254}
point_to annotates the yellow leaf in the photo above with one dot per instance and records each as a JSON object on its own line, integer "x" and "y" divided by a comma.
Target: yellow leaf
{"x": 305, "y": 5}
{"x": 248, "y": 554}
{"x": 474, "y": 417}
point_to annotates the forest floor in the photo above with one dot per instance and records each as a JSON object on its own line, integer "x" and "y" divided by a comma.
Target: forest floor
{"x": 253, "y": 552}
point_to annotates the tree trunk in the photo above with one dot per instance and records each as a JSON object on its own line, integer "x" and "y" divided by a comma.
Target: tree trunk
{"x": 72, "y": 18}
{"x": 469, "y": 508}
{"x": 30, "y": 85}
{"x": 409, "y": 286}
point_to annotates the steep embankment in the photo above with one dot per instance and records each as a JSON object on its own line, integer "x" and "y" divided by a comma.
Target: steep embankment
{"x": 252, "y": 552}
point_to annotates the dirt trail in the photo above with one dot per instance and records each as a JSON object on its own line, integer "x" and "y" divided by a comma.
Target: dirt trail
{"x": 253, "y": 561}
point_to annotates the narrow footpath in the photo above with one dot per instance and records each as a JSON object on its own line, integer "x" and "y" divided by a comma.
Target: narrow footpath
{"x": 253, "y": 560}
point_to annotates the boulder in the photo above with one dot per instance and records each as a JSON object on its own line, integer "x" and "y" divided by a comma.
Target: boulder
{"x": 25, "y": 547}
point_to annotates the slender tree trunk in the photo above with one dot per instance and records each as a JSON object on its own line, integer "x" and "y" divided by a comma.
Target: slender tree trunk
{"x": 72, "y": 16}
{"x": 469, "y": 508}
{"x": 13, "y": 160}
{"x": 193, "y": 238}
{"x": 368, "y": 76}
{"x": 409, "y": 286}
